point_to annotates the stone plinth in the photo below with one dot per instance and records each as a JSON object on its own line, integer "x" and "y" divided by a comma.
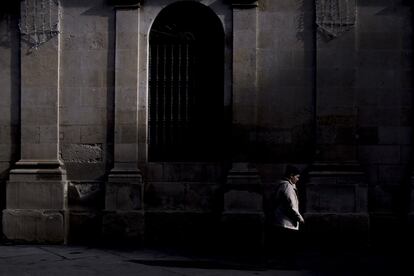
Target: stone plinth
{"x": 337, "y": 205}
{"x": 123, "y": 218}
{"x": 36, "y": 203}
{"x": 243, "y": 217}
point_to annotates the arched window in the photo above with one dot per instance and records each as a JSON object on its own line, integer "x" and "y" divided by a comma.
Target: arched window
{"x": 186, "y": 79}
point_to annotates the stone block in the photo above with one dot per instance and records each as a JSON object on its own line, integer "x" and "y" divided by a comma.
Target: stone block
{"x": 244, "y": 19}
{"x": 6, "y": 152}
{"x": 126, "y": 152}
{"x": 92, "y": 134}
{"x": 84, "y": 195}
{"x": 124, "y": 116}
{"x": 40, "y": 96}
{"x": 380, "y": 154}
{"x": 182, "y": 229}
{"x": 405, "y": 79}
{"x": 335, "y": 229}
{"x": 274, "y": 136}
{"x": 387, "y": 197}
{"x": 123, "y": 227}
{"x": 242, "y": 232}
{"x": 392, "y": 174}
{"x": 406, "y": 154}
{"x": 342, "y": 60}
{"x": 123, "y": 196}
{"x": 86, "y": 170}
{"x": 284, "y": 5}
{"x": 127, "y": 22}
{"x": 378, "y": 40}
{"x": 48, "y": 134}
{"x": 126, "y": 98}
{"x": 36, "y": 195}
{"x": 73, "y": 40}
{"x": 368, "y": 135}
{"x": 126, "y": 68}
{"x": 343, "y": 96}
{"x": 243, "y": 200}
{"x": 83, "y": 153}
{"x": 203, "y": 196}
{"x": 165, "y": 196}
{"x": 92, "y": 72}
{"x": 37, "y": 115}
{"x": 378, "y": 58}
{"x": 40, "y": 68}
{"x": 337, "y": 153}
{"x": 391, "y": 116}
{"x": 366, "y": 97}
{"x": 379, "y": 78}
{"x": 85, "y": 227}
{"x": 69, "y": 135}
{"x": 128, "y": 134}
{"x": 388, "y": 231}
{"x": 42, "y": 151}
{"x": 40, "y": 226}
{"x": 319, "y": 198}
{"x": 30, "y": 134}
{"x": 93, "y": 96}
{"x": 6, "y": 117}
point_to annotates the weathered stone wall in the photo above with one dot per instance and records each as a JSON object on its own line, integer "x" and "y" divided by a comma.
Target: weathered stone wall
{"x": 86, "y": 87}
{"x": 285, "y": 81}
{"x": 86, "y": 105}
{"x": 9, "y": 94}
{"x": 360, "y": 82}
{"x": 384, "y": 86}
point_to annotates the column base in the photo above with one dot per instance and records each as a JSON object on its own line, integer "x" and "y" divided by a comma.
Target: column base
{"x": 35, "y": 226}
{"x": 123, "y": 220}
{"x": 337, "y": 205}
{"x": 337, "y": 229}
{"x": 124, "y": 190}
{"x": 123, "y": 227}
{"x": 36, "y": 197}
{"x": 243, "y": 219}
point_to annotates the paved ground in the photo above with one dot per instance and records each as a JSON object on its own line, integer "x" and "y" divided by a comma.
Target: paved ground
{"x": 77, "y": 260}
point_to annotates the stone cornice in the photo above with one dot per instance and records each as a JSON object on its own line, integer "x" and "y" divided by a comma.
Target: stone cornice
{"x": 126, "y": 3}
{"x": 244, "y": 3}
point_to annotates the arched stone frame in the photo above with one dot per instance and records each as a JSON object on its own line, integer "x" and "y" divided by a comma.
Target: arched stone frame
{"x": 147, "y": 17}
{"x": 125, "y": 189}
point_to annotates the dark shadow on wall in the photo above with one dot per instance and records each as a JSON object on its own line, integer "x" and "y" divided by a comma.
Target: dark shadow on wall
{"x": 9, "y": 15}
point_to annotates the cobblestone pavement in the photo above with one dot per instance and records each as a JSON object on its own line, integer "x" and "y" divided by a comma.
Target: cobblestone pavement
{"x": 79, "y": 260}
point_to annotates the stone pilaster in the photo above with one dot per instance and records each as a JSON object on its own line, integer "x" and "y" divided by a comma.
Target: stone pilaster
{"x": 36, "y": 190}
{"x": 124, "y": 217}
{"x": 336, "y": 193}
{"x": 243, "y": 217}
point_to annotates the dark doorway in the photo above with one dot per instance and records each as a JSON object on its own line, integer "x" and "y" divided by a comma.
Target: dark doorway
{"x": 186, "y": 79}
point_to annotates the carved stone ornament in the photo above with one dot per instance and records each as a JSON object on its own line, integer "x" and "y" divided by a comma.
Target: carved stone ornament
{"x": 39, "y": 21}
{"x": 125, "y": 3}
{"x": 335, "y": 17}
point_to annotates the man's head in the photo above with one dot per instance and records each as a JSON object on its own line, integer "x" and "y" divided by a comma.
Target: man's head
{"x": 292, "y": 174}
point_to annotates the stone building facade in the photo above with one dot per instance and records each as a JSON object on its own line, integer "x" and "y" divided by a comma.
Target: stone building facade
{"x": 169, "y": 122}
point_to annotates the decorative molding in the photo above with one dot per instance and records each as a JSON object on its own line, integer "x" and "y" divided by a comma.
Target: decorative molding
{"x": 126, "y": 3}
{"x": 244, "y": 4}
